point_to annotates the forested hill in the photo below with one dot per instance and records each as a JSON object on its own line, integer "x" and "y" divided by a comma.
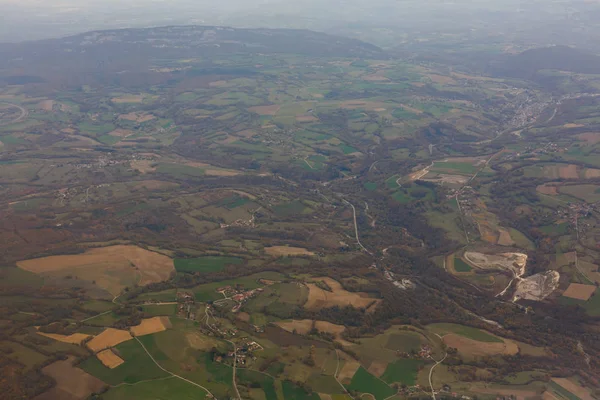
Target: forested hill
{"x": 563, "y": 58}
{"x": 118, "y": 48}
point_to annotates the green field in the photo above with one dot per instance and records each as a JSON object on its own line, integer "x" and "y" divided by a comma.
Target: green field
{"x": 466, "y": 331}
{"x": 138, "y": 366}
{"x": 293, "y": 392}
{"x": 155, "y": 310}
{"x": 364, "y": 382}
{"x": 163, "y": 389}
{"x": 403, "y": 371}
{"x": 460, "y": 265}
{"x": 205, "y": 264}
{"x": 462, "y": 168}
{"x": 254, "y": 378}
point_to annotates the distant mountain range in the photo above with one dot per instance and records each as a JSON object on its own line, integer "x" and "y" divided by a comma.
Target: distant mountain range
{"x": 114, "y": 49}
{"x": 528, "y": 63}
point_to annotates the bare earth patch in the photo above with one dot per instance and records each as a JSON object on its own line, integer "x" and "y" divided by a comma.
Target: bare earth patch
{"x": 377, "y": 368}
{"x": 505, "y": 239}
{"x": 306, "y": 118}
{"x": 265, "y": 110}
{"x": 71, "y": 382}
{"x": 144, "y": 166}
{"x": 348, "y": 370}
{"x": 474, "y": 348}
{"x": 569, "y": 172}
{"x": 579, "y": 291}
{"x": 220, "y": 172}
{"x": 571, "y": 125}
{"x": 109, "y": 338}
{"x": 109, "y": 359}
{"x": 75, "y": 338}
{"x": 319, "y": 298}
{"x": 46, "y": 105}
{"x": 151, "y": 325}
{"x": 112, "y": 268}
{"x": 277, "y": 251}
{"x": 576, "y": 389}
{"x": 128, "y": 99}
{"x": 547, "y": 189}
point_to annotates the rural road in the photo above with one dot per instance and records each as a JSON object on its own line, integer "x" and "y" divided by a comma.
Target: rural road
{"x": 172, "y": 374}
{"x": 356, "y": 227}
{"x": 431, "y": 374}
{"x": 20, "y": 118}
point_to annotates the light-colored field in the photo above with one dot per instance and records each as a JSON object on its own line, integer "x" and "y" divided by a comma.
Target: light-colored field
{"x": 109, "y": 359}
{"x": 71, "y": 382}
{"x": 304, "y": 326}
{"x": 377, "y": 368}
{"x": 221, "y": 172}
{"x": 319, "y": 298}
{"x": 137, "y": 117}
{"x": 324, "y": 396}
{"x": 572, "y": 125}
{"x": 569, "y": 172}
{"x": 306, "y": 118}
{"x": 575, "y": 388}
{"x": 590, "y": 137}
{"x": 265, "y": 110}
{"x": 128, "y": 99}
{"x": 46, "y": 105}
{"x": 579, "y": 291}
{"x": 109, "y": 338}
{"x": 473, "y": 348}
{"x": 122, "y": 133}
{"x": 443, "y": 80}
{"x": 75, "y": 338}
{"x": 112, "y": 268}
{"x": 200, "y": 342}
{"x": 278, "y": 251}
{"x": 546, "y": 189}
{"x": 349, "y": 368}
{"x": 151, "y": 325}
{"x": 505, "y": 239}
{"x": 591, "y": 173}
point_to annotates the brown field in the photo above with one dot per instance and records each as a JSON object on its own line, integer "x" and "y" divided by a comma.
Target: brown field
{"x": 220, "y": 172}
{"x": 71, "y": 383}
{"x": 579, "y": 291}
{"x": 265, "y": 110}
{"x": 243, "y": 316}
{"x": 151, "y": 325}
{"x": 376, "y": 77}
{"x": 548, "y": 190}
{"x": 377, "y": 368}
{"x": 109, "y": 338}
{"x": 46, "y": 105}
{"x": 592, "y": 173}
{"x": 505, "y": 239}
{"x": 112, "y": 268}
{"x": 137, "y": 117}
{"x": 128, "y": 99}
{"x": 302, "y": 327}
{"x": 144, "y": 166}
{"x": 324, "y": 396}
{"x": 319, "y": 298}
{"x": 573, "y": 387}
{"x": 569, "y": 172}
{"x": 349, "y": 369}
{"x": 590, "y": 137}
{"x": 571, "y": 125}
{"x": 474, "y": 348}
{"x": 366, "y": 104}
{"x": 122, "y": 133}
{"x": 217, "y": 83}
{"x": 277, "y": 251}
{"x": 443, "y": 80}
{"x": 247, "y": 133}
{"x": 109, "y": 359}
{"x": 306, "y": 118}
{"x": 75, "y": 338}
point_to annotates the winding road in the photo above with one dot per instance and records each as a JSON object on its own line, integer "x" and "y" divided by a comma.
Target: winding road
{"x": 20, "y": 118}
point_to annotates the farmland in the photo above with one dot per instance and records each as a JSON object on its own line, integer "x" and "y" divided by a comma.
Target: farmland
{"x": 295, "y": 223}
